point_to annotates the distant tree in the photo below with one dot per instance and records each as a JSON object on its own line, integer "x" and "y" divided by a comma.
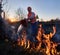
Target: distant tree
{"x": 5, "y": 9}
{"x": 37, "y": 17}
{"x": 19, "y": 14}
{"x": 41, "y": 19}
{"x": 52, "y": 20}
{"x": 57, "y": 19}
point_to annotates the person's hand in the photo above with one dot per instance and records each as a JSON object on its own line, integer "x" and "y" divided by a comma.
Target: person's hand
{"x": 28, "y": 20}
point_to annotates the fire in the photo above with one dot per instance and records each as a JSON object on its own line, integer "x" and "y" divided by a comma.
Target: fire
{"x": 39, "y": 36}
{"x": 22, "y": 41}
{"x": 50, "y": 47}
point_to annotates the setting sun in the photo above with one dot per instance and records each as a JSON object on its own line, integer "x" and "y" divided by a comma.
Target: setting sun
{"x": 13, "y": 19}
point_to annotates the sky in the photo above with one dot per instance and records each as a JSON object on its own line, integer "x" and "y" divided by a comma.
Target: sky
{"x": 45, "y": 9}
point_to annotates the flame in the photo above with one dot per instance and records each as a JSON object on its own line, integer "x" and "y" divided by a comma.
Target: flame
{"x": 22, "y": 41}
{"x": 50, "y": 47}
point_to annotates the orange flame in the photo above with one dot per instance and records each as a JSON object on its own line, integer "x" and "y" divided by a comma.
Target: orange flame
{"x": 50, "y": 47}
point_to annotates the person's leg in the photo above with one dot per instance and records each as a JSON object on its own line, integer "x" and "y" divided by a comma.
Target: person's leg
{"x": 29, "y": 32}
{"x": 34, "y": 28}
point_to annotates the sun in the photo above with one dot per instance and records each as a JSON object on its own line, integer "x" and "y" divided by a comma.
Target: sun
{"x": 12, "y": 19}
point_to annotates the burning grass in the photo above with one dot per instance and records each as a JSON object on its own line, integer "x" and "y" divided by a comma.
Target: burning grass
{"x": 43, "y": 46}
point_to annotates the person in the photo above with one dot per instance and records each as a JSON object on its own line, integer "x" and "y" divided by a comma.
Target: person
{"x": 34, "y": 27}
{"x": 31, "y": 15}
